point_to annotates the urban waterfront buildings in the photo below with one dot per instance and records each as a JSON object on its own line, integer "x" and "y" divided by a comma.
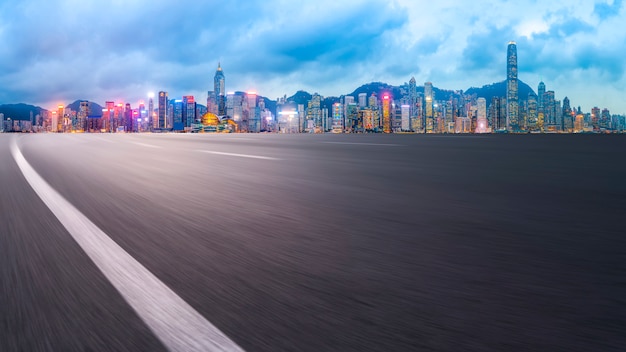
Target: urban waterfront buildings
{"x": 406, "y": 108}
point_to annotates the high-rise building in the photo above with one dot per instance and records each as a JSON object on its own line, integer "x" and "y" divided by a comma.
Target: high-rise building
{"x": 253, "y": 111}
{"x": 548, "y": 109}
{"x": 429, "y": 101}
{"x": 541, "y": 90}
{"x": 347, "y": 100}
{"x": 512, "y": 86}
{"x": 314, "y": 114}
{"x": 362, "y": 100}
{"x": 177, "y": 108}
{"x": 531, "y": 113}
{"x": 163, "y": 107}
{"x": 189, "y": 110}
{"x": 412, "y": 98}
{"x": 386, "y": 110}
{"x": 406, "y": 120}
{"x": 481, "y": 116}
{"x": 219, "y": 88}
{"x": 567, "y": 117}
{"x": 128, "y": 118}
{"x": 337, "y": 124}
{"x": 150, "y": 111}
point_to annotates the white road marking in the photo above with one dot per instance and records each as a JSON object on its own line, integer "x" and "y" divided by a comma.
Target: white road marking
{"x": 239, "y": 155}
{"x": 355, "y": 143}
{"x": 173, "y": 321}
{"x": 146, "y": 145}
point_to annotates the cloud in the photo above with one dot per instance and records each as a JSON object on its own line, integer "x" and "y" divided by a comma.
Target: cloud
{"x": 108, "y": 50}
{"x": 606, "y": 10}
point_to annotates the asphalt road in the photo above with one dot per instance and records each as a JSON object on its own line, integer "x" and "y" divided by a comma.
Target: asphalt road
{"x": 324, "y": 242}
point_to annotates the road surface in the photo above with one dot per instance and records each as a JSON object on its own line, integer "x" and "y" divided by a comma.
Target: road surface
{"x": 312, "y": 242}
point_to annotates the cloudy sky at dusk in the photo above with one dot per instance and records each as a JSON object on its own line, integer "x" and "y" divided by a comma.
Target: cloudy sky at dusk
{"x": 58, "y": 51}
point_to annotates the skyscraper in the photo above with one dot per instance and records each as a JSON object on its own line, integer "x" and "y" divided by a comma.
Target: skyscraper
{"x": 189, "y": 110}
{"x": 386, "y": 113}
{"x": 481, "y": 116}
{"x": 219, "y": 87}
{"x": 429, "y": 97}
{"x": 162, "y": 123}
{"x": 512, "y": 86}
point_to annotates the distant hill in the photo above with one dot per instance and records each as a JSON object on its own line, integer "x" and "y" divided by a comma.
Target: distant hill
{"x": 301, "y": 97}
{"x": 499, "y": 90}
{"x": 378, "y": 88}
{"x": 95, "y": 109}
{"x": 20, "y": 111}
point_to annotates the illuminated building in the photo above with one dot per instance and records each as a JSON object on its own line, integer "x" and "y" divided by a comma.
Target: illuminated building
{"x": 83, "y": 115}
{"x": 188, "y": 111}
{"x": 287, "y": 118}
{"x": 481, "y": 116}
{"x": 567, "y": 119}
{"x": 176, "y": 107}
{"x": 351, "y": 120}
{"x": 368, "y": 119}
{"x": 549, "y": 109}
{"x": 57, "y": 124}
{"x": 314, "y": 114}
{"x": 151, "y": 122}
{"x": 579, "y": 123}
{"x": 163, "y": 107}
{"x": 337, "y": 124}
{"x": 219, "y": 88}
{"x": 406, "y": 117}
{"x": 372, "y": 102}
{"x": 128, "y": 118}
{"x": 512, "y": 86}
{"x": 253, "y": 112}
{"x": 108, "y": 116}
{"x": 429, "y": 98}
{"x": 347, "y": 100}
{"x": 595, "y": 118}
{"x": 531, "y": 114}
{"x": 386, "y": 113}
{"x": 449, "y": 117}
{"x": 234, "y": 110}
{"x": 605, "y": 120}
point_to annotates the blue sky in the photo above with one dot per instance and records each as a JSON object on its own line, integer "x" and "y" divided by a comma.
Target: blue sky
{"x": 57, "y": 51}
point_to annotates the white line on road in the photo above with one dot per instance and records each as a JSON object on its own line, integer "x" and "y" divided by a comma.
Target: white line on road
{"x": 355, "y": 143}
{"x": 239, "y": 155}
{"x": 146, "y": 145}
{"x": 173, "y": 321}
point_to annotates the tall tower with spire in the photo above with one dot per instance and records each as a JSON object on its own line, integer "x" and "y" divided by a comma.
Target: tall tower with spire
{"x": 219, "y": 87}
{"x": 512, "y": 89}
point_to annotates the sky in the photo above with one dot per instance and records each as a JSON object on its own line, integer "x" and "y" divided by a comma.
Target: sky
{"x": 57, "y": 51}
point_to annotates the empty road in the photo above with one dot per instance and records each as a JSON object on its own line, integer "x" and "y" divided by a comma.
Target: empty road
{"x": 260, "y": 242}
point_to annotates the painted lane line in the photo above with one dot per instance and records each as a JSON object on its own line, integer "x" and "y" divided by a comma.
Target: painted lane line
{"x": 355, "y": 143}
{"x": 146, "y": 145}
{"x": 173, "y": 321}
{"x": 239, "y": 155}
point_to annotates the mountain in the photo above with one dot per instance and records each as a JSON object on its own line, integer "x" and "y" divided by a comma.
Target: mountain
{"x": 378, "y": 88}
{"x": 301, "y": 97}
{"x": 499, "y": 90}
{"x": 20, "y": 111}
{"x": 95, "y": 110}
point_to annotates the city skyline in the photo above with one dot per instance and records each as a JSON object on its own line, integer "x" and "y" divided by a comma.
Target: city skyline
{"x": 130, "y": 50}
